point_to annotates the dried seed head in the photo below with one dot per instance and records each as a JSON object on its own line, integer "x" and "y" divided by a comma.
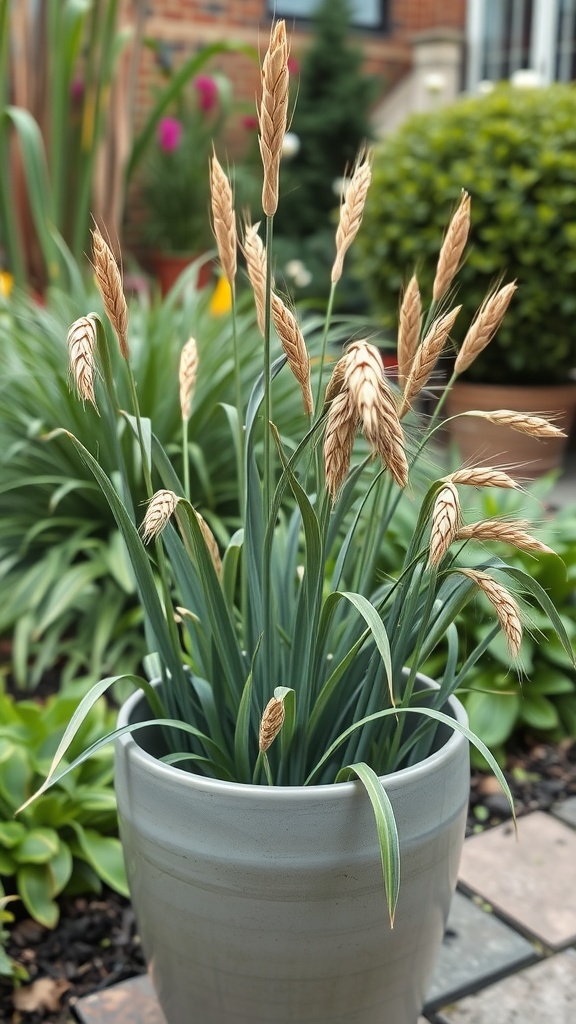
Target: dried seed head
{"x": 366, "y": 382}
{"x": 446, "y": 517}
{"x": 109, "y": 282}
{"x": 223, "y": 219}
{"x": 536, "y": 426}
{"x": 482, "y": 476}
{"x": 410, "y": 322}
{"x": 271, "y": 723}
{"x": 426, "y": 357}
{"x": 160, "y": 508}
{"x": 211, "y": 544}
{"x": 504, "y": 531}
{"x": 452, "y": 248}
{"x": 506, "y": 607}
{"x": 255, "y": 255}
{"x": 272, "y": 115}
{"x": 294, "y": 346}
{"x": 337, "y": 381}
{"x": 484, "y": 326}
{"x": 341, "y": 427}
{"x": 81, "y": 344}
{"x": 187, "y": 376}
{"x": 352, "y": 210}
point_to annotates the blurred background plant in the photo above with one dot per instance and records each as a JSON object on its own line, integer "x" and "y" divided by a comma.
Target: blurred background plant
{"x": 175, "y": 189}
{"x": 67, "y": 842}
{"x": 331, "y": 122}
{"x": 514, "y": 150}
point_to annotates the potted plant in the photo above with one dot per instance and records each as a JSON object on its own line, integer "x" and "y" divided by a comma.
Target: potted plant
{"x": 292, "y": 791}
{"x": 175, "y": 189}
{"x": 512, "y": 150}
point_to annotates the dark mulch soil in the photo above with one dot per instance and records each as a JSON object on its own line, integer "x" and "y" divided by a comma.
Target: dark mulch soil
{"x": 96, "y": 943}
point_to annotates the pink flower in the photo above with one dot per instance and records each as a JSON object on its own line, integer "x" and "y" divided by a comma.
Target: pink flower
{"x": 250, "y": 122}
{"x": 207, "y": 92}
{"x": 77, "y": 90}
{"x": 169, "y": 133}
{"x": 293, "y": 65}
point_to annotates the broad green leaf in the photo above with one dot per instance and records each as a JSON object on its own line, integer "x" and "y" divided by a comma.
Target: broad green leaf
{"x": 11, "y": 833}
{"x": 60, "y": 868}
{"x": 386, "y": 828}
{"x": 104, "y": 854}
{"x": 38, "y": 846}
{"x": 35, "y": 885}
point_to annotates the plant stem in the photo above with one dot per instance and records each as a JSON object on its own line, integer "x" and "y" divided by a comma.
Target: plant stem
{"x": 185, "y": 458}
{"x": 239, "y": 403}
{"x": 327, "y": 322}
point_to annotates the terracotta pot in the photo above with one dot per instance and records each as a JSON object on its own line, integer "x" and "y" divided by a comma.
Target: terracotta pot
{"x": 168, "y": 267}
{"x": 258, "y": 904}
{"x": 492, "y": 444}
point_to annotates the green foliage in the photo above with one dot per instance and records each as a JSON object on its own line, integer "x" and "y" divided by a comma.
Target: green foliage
{"x": 331, "y": 121}
{"x": 10, "y": 970}
{"x": 73, "y": 598}
{"x": 514, "y": 151}
{"x": 67, "y": 841}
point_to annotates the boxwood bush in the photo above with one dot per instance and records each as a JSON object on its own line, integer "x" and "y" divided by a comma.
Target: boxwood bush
{"x": 514, "y": 151}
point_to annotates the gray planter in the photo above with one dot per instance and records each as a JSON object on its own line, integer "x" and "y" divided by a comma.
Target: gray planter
{"x": 259, "y": 904}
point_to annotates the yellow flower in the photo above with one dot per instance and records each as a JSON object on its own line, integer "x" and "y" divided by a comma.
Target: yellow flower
{"x": 6, "y": 283}
{"x": 221, "y": 301}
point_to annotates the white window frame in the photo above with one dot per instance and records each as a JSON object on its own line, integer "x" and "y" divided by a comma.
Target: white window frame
{"x": 548, "y": 57}
{"x": 365, "y": 14}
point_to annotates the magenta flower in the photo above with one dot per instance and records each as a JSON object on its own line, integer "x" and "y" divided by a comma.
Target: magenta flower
{"x": 250, "y": 122}
{"x": 169, "y": 134}
{"x": 207, "y": 92}
{"x": 293, "y": 66}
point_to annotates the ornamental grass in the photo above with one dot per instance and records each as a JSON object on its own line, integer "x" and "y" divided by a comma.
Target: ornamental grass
{"x": 285, "y": 658}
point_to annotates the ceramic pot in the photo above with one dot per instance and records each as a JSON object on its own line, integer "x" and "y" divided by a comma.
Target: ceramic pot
{"x": 169, "y": 265}
{"x": 491, "y": 444}
{"x": 265, "y": 905}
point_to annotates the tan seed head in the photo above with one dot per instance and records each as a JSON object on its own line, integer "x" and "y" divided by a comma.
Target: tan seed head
{"x": 160, "y": 508}
{"x": 446, "y": 518}
{"x": 223, "y": 219}
{"x": 452, "y": 248}
{"x": 410, "y": 322}
{"x": 536, "y": 426}
{"x": 109, "y": 282}
{"x": 426, "y": 357}
{"x": 81, "y": 344}
{"x": 211, "y": 544}
{"x": 271, "y": 723}
{"x": 482, "y": 476}
{"x": 294, "y": 347}
{"x": 273, "y": 113}
{"x": 504, "y": 531}
{"x": 255, "y": 255}
{"x": 484, "y": 326}
{"x": 352, "y": 210}
{"x": 506, "y": 607}
{"x": 366, "y": 383}
{"x": 187, "y": 376}
{"x": 341, "y": 427}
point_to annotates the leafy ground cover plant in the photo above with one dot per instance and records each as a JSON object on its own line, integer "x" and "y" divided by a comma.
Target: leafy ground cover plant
{"x": 280, "y": 660}
{"x": 67, "y": 841}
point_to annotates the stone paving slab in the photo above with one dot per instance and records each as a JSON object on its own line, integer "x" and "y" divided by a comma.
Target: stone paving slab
{"x": 532, "y": 881}
{"x": 478, "y": 948}
{"x": 542, "y": 994}
{"x": 566, "y": 811}
{"x": 129, "y": 1002}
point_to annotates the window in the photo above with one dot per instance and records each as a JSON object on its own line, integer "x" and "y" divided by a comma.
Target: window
{"x": 508, "y": 36}
{"x": 365, "y": 13}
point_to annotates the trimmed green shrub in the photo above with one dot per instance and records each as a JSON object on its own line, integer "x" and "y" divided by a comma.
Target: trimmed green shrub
{"x": 514, "y": 151}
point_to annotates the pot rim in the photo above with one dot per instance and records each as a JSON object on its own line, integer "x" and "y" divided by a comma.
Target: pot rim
{"x": 326, "y": 791}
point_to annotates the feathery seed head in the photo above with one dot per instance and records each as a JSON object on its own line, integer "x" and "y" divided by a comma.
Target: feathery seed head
{"x": 109, "y": 281}
{"x": 294, "y": 347}
{"x": 223, "y": 219}
{"x": 255, "y": 255}
{"x": 452, "y": 248}
{"x": 341, "y": 427}
{"x": 410, "y": 321}
{"x": 536, "y": 426}
{"x": 506, "y": 607}
{"x": 271, "y": 723}
{"x": 504, "y": 531}
{"x": 484, "y": 326}
{"x": 211, "y": 544}
{"x": 352, "y": 210}
{"x": 337, "y": 381}
{"x": 446, "y": 517}
{"x": 273, "y": 113}
{"x": 426, "y": 356}
{"x": 81, "y": 344}
{"x": 482, "y": 476}
{"x": 160, "y": 508}
{"x": 187, "y": 376}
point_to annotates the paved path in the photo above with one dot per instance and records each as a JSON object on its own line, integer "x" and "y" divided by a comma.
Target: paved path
{"x": 509, "y": 952}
